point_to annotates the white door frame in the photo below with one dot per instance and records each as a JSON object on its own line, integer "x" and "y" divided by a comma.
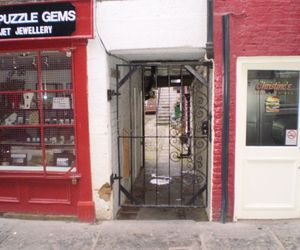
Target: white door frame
{"x": 245, "y": 208}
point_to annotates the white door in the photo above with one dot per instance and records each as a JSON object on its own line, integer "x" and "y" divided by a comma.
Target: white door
{"x": 267, "y": 163}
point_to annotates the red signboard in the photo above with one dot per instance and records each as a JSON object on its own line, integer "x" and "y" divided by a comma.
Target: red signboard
{"x": 47, "y": 20}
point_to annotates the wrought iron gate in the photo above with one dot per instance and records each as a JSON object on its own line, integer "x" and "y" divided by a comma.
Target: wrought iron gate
{"x": 163, "y": 135}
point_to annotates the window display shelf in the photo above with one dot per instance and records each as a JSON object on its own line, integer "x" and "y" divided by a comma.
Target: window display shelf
{"x": 45, "y": 109}
{"x": 22, "y": 143}
{"x": 38, "y": 126}
{"x": 57, "y": 125}
{"x": 20, "y": 126}
{"x": 27, "y": 173}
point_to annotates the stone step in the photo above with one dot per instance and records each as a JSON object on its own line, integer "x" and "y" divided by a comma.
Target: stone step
{"x": 163, "y": 116}
{"x": 164, "y": 111}
{"x": 167, "y": 97}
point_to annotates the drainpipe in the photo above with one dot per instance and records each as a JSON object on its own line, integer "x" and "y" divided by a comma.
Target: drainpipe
{"x": 226, "y": 110}
{"x": 209, "y": 43}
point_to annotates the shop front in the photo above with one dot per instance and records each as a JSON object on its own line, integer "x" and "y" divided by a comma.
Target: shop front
{"x": 44, "y": 138}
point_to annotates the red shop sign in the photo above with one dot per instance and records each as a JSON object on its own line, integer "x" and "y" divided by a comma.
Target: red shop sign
{"x": 47, "y": 20}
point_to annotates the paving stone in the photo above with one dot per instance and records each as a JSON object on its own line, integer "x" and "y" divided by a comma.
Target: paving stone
{"x": 149, "y": 234}
{"x": 287, "y": 232}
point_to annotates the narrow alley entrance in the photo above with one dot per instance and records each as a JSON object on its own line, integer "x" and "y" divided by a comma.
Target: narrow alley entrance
{"x": 163, "y": 139}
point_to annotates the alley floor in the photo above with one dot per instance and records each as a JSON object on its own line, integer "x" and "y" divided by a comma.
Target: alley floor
{"x": 171, "y": 235}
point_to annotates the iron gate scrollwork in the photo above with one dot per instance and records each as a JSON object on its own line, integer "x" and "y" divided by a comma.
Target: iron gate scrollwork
{"x": 163, "y": 139}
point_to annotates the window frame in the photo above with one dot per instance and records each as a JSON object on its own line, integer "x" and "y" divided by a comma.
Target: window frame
{"x": 44, "y": 169}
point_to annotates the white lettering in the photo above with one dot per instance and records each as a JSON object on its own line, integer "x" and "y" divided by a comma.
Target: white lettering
{"x": 63, "y": 16}
{"x": 5, "y": 32}
{"x": 46, "y": 16}
{"x": 33, "y": 30}
{"x": 59, "y": 16}
{"x": 72, "y": 15}
{"x": 54, "y": 16}
{"x": 19, "y": 18}
{"x": 34, "y": 16}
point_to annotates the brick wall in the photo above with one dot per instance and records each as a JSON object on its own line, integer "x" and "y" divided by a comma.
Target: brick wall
{"x": 257, "y": 28}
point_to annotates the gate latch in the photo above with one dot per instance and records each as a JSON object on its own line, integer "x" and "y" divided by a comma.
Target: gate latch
{"x": 111, "y": 93}
{"x": 204, "y": 128}
{"x": 114, "y": 177}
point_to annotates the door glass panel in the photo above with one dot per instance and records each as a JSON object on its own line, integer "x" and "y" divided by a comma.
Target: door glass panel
{"x": 272, "y": 108}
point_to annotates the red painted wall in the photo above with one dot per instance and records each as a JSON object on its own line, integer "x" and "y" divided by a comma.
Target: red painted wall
{"x": 257, "y": 28}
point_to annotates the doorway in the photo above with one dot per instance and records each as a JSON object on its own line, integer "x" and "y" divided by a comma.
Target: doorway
{"x": 267, "y": 138}
{"x": 163, "y": 139}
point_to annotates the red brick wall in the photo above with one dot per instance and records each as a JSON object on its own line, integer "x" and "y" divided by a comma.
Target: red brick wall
{"x": 257, "y": 28}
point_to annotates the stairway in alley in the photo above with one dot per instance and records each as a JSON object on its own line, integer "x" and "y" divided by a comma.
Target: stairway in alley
{"x": 167, "y": 99}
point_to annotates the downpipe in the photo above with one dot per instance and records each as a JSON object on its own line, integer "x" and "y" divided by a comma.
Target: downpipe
{"x": 226, "y": 112}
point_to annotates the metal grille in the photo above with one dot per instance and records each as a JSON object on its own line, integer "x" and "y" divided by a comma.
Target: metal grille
{"x": 36, "y": 113}
{"x": 163, "y": 129}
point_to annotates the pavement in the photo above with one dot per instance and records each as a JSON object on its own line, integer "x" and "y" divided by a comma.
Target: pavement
{"x": 161, "y": 234}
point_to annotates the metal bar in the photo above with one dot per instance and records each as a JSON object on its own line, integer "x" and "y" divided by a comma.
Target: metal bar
{"x": 188, "y": 99}
{"x": 41, "y": 112}
{"x": 118, "y": 135}
{"x": 209, "y": 133}
{"x": 161, "y": 206}
{"x": 131, "y": 114}
{"x": 181, "y": 125}
{"x": 126, "y": 77}
{"x": 148, "y": 136}
{"x": 169, "y": 134}
{"x": 195, "y": 196}
{"x": 190, "y": 69}
{"x": 209, "y": 79}
{"x": 226, "y": 110}
{"x": 128, "y": 195}
{"x": 143, "y": 128}
{"x": 193, "y": 131}
{"x": 156, "y": 133}
{"x": 163, "y": 63}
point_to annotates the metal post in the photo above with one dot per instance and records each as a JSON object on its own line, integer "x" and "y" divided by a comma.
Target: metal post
{"x": 226, "y": 110}
{"x": 209, "y": 43}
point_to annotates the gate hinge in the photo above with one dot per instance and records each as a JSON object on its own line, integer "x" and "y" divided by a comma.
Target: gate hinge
{"x": 111, "y": 93}
{"x": 114, "y": 177}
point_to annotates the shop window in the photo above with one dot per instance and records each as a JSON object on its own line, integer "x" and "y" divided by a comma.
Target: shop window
{"x": 36, "y": 111}
{"x": 272, "y": 108}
